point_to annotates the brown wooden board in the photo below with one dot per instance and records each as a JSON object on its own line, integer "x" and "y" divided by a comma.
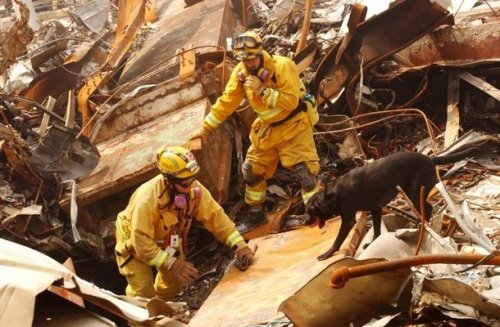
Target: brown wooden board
{"x": 283, "y": 264}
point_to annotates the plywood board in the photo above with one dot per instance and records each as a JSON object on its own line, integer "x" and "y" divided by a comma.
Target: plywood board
{"x": 283, "y": 264}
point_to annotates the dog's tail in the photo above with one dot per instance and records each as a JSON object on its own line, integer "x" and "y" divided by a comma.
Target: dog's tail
{"x": 455, "y": 156}
{"x": 486, "y": 145}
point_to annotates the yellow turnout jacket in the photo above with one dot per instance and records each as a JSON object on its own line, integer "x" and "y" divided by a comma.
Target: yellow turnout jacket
{"x": 282, "y": 90}
{"x": 146, "y": 225}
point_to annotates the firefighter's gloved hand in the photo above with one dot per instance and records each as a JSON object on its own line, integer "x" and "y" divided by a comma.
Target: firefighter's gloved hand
{"x": 185, "y": 271}
{"x": 202, "y": 134}
{"x": 244, "y": 258}
{"x": 253, "y": 83}
{"x": 122, "y": 250}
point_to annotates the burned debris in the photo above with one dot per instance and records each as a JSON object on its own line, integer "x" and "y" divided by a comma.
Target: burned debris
{"x": 91, "y": 89}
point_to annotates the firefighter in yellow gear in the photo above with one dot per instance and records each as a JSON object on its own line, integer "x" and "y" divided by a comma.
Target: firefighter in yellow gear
{"x": 152, "y": 230}
{"x": 283, "y": 129}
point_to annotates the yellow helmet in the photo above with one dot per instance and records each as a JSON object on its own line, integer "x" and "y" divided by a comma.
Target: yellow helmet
{"x": 177, "y": 162}
{"x": 247, "y": 46}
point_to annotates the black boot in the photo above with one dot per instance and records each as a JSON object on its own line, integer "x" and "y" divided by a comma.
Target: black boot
{"x": 251, "y": 218}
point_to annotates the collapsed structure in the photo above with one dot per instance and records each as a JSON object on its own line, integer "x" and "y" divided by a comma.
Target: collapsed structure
{"x": 88, "y": 99}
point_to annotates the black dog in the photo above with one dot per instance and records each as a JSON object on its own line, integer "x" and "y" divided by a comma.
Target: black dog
{"x": 370, "y": 187}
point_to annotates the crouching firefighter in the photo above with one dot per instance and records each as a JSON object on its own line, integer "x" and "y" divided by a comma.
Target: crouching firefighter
{"x": 282, "y": 131}
{"x": 152, "y": 230}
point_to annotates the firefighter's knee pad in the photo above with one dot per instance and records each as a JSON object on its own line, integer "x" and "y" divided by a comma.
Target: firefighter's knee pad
{"x": 305, "y": 178}
{"x": 250, "y": 178}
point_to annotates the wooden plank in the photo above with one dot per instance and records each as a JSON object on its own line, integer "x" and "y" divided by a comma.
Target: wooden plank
{"x": 453, "y": 115}
{"x": 49, "y": 104}
{"x": 481, "y": 84}
{"x": 283, "y": 264}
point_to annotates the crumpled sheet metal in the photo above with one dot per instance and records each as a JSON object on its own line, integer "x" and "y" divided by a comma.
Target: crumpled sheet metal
{"x": 317, "y": 305}
{"x": 458, "y": 293}
{"x": 372, "y": 41}
{"x": 17, "y": 159}
{"x": 19, "y": 264}
{"x": 283, "y": 263}
{"x": 203, "y": 27}
{"x": 306, "y": 56}
{"x": 93, "y": 14}
{"x": 31, "y": 210}
{"x": 453, "y": 46}
{"x": 131, "y": 16}
{"x": 14, "y": 41}
{"x": 25, "y": 273}
{"x": 129, "y": 158}
{"x": 61, "y": 79}
{"x": 60, "y": 152}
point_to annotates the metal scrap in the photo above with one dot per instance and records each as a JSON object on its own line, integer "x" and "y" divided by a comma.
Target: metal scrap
{"x": 362, "y": 48}
{"x": 147, "y": 83}
{"x": 15, "y": 40}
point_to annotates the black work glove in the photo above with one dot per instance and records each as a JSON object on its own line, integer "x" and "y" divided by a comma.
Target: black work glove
{"x": 244, "y": 258}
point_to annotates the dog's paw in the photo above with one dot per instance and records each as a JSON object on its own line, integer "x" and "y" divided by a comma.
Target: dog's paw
{"x": 325, "y": 255}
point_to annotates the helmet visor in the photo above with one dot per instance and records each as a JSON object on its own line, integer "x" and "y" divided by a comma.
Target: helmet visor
{"x": 245, "y": 42}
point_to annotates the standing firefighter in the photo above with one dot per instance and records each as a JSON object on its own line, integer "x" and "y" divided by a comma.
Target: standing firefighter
{"x": 283, "y": 128}
{"x": 152, "y": 230}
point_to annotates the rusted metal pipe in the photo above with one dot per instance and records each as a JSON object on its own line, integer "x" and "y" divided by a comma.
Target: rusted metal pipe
{"x": 305, "y": 26}
{"x": 342, "y": 275}
{"x": 244, "y": 14}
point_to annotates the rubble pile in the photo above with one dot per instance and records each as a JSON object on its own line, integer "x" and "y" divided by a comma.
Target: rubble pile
{"x": 90, "y": 89}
